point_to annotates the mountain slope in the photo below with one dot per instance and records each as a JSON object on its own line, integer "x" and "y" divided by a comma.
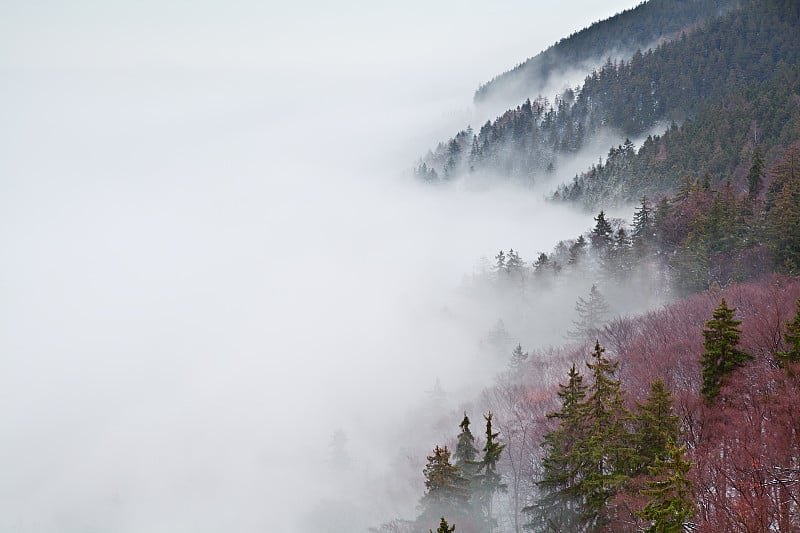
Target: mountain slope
{"x": 718, "y": 144}
{"x": 636, "y": 28}
{"x": 740, "y": 51}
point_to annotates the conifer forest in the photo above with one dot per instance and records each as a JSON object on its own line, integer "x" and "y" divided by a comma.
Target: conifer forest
{"x": 370, "y": 267}
{"x": 680, "y": 418}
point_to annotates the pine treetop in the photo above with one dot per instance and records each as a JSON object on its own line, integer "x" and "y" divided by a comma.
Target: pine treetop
{"x": 444, "y": 527}
{"x": 721, "y": 357}
{"x": 466, "y": 452}
{"x": 656, "y": 425}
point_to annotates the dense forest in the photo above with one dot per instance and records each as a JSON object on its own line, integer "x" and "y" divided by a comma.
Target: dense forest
{"x": 744, "y": 63}
{"x": 636, "y": 28}
{"x": 681, "y": 417}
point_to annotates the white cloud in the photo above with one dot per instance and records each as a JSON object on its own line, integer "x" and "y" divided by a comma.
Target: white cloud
{"x": 209, "y": 269}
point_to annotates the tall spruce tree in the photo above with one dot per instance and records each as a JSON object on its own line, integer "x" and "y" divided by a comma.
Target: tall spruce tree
{"x": 655, "y": 427}
{"x": 606, "y": 456}
{"x": 500, "y": 264}
{"x": 722, "y": 355}
{"x": 466, "y": 456}
{"x": 602, "y": 232}
{"x": 466, "y": 452}
{"x": 560, "y": 505}
{"x": 489, "y": 479}
{"x": 670, "y": 505}
{"x": 592, "y": 313}
{"x": 446, "y": 490}
{"x": 643, "y": 228}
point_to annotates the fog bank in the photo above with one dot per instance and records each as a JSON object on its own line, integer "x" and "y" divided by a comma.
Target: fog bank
{"x": 210, "y": 265}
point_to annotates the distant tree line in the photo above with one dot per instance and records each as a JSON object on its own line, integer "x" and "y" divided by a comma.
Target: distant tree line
{"x": 635, "y": 28}
{"x": 736, "y": 78}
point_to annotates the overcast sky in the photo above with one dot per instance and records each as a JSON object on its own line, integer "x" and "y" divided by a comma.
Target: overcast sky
{"x": 256, "y": 33}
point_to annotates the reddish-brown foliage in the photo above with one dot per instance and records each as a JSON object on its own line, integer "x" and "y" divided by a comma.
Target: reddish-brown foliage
{"x": 745, "y": 446}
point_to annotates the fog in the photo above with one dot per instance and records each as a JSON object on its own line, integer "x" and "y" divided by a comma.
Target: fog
{"x": 214, "y": 255}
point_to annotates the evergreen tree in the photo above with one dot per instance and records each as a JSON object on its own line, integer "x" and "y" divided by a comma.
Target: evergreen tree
{"x": 643, "y": 228}
{"x": 605, "y": 458}
{"x": 592, "y": 315}
{"x": 500, "y": 262}
{"x": 542, "y": 265}
{"x": 655, "y": 425}
{"x": 466, "y": 452}
{"x": 446, "y": 490}
{"x": 561, "y": 505}
{"x": 514, "y": 263}
{"x": 577, "y": 250}
{"x": 791, "y": 357}
{"x": 721, "y": 356}
{"x": 601, "y": 234}
{"x": 670, "y": 507}
{"x": 783, "y": 218}
{"x": 489, "y": 480}
{"x": 466, "y": 455}
{"x": 518, "y": 357}
{"x": 444, "y": 527}
{"x": 617, "y": 263}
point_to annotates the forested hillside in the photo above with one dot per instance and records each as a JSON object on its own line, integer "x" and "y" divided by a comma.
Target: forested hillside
{"x": 681, "y": 419}
{"x": 733, "y": 79}
{"x": 633, "y": 29}
{"x": 719, "y": 144}
{"x": 684, "y": 417}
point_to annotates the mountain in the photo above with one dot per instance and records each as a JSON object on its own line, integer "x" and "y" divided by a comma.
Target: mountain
{"x": 736, "y": 73}
{"x": 718, "y": 144}
{"x": 620, "y": 35}
{"x": 681, "y": 418}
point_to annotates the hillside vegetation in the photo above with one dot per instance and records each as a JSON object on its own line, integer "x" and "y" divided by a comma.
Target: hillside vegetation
{"x": 637, "y": 28}
{"x": 725, "y": 87}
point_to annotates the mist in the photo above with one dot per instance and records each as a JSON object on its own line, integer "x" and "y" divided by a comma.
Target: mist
{"x": 215, "y": 257}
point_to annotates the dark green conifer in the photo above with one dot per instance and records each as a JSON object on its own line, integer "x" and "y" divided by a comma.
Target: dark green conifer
{"x": 446, "y": 490}
{"x": 602, "y": 232}
{"x": 670, "y": 507}
{"x": 466, "y": 452}
{"x": 655, "y": 425}
{"x": 791, "y": 357}
{"x": 561, "y": 505}
{"x": 605, "y": 457}
{"x": 489, "y": 480}
{"x": 721, "y": 356}
{"x": 444, "y": 527}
